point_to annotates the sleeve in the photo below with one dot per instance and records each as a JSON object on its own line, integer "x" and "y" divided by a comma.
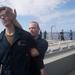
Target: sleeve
{"x": 42, "y": 47}
{"x": 39, "y": 61}
{"x": 32, "y": 43}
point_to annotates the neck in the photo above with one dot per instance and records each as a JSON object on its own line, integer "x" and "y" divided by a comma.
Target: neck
{"x": 10, "y": 30}
{"x": 35, "y": 37}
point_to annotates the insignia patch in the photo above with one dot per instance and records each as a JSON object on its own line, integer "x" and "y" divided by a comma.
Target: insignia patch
{"x": 21, "y": 43}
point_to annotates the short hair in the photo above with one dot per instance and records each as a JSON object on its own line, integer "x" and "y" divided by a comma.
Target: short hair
{"x": 36, "y": 23}
{"x": 4, "y": 8}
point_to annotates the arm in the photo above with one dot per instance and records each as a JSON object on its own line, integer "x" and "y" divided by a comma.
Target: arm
{"x": 42, "y": 47}
{"x": 32, "y": 45}
{"x": 16, "y": 23}
{"x": 12, "y": 16}
{"x": 42, "y": 71}
{"x": 34, "y": 52}
{"x": 40, "y": 50}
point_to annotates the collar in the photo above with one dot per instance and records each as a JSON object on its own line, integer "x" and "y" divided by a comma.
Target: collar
{"x": 38, "y": 38}
{"x": 18, "y": 31}
{"x": 2, "y": 34}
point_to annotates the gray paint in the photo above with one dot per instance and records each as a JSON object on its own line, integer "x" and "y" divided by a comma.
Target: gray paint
{"x": 61, "y": 67}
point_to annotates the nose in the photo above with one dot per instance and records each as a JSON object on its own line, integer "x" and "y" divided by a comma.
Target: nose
{"x": 30, "y": 30}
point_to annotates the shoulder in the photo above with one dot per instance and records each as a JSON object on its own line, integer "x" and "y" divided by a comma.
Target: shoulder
{"x": 43, "y": 41}
{"x": 22, "y": 31}
{"x": 1, "y": 34}
{"x": 24, "y": 34}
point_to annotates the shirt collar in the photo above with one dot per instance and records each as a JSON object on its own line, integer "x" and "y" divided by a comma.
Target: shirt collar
{"x": 17, "y": 31}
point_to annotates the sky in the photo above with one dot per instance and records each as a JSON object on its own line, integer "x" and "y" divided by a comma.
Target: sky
{"x": 55, "y": 14}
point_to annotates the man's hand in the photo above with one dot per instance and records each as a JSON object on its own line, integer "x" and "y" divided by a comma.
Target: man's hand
{"x": 34, "y": 52}
{"x": 12, "y": 17}
{"x": 11, "y": 14}
{"x": 42, "y": 71}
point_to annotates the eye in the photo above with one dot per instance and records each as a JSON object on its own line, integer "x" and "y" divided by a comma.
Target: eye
{"x": 2, "y": 15}
{"x": 29, "y": 28}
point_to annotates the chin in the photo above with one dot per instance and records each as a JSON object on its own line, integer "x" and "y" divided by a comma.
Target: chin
{"x": 6, "y": 25}
{"x": 32, "y": 35}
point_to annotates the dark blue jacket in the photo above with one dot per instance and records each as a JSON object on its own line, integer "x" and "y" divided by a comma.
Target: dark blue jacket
{"x": 37, "y": 62}
{"x": 15, "y": 58}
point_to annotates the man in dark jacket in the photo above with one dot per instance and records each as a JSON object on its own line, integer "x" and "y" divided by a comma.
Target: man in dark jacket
{"x": 16, "y": 46}
{"x": 62, "y": 35}
{"x": 37, "y": 65}
{"x": 71, "y": 35}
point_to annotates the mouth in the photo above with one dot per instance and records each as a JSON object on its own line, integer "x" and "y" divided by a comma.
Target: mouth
{"x": 3, "y": 21}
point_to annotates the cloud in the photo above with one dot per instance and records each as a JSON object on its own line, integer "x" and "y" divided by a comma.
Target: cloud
{"x": 43, "y": 10}
{"x": 33, "y": 7}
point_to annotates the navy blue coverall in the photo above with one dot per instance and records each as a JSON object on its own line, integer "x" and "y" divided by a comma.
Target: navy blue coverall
{"x": 15, "y": 58}
{"x": 37, "y": 62}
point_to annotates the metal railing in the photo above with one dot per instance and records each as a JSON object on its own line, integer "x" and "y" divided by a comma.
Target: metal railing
{"x": 56, "y": 46}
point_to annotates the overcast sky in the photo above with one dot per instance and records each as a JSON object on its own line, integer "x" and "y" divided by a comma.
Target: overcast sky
{"x": 48, "y": 13}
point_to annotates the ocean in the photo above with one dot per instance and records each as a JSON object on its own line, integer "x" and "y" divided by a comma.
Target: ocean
{"x": 54, "y": 36}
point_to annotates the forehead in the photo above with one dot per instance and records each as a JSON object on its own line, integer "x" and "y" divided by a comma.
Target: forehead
{"x": 32, "y": 25}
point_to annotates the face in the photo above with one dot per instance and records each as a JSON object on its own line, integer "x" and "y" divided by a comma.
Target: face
{"x": 34, "y": 29}
{"x": 4, "y": 19}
